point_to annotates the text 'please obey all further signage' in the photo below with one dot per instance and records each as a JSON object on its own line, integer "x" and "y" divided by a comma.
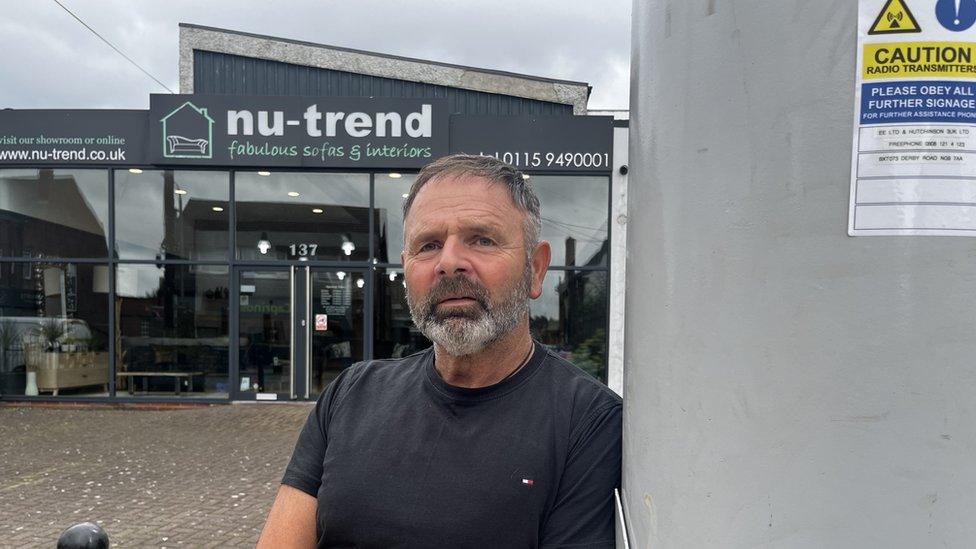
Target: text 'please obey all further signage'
{"x": 913, "y": 167}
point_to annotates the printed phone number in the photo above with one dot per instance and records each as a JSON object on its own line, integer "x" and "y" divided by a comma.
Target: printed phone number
{"x": 549, "y": 159}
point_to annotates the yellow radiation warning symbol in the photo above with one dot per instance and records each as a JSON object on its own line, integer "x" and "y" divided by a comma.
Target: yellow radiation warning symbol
{"x": 895, "y": 17}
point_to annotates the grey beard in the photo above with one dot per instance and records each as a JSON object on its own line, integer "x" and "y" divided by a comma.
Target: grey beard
{"x": 465, "y": 332}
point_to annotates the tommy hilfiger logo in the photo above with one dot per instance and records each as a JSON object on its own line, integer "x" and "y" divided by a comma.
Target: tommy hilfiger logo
{"x": 528, "y": 481}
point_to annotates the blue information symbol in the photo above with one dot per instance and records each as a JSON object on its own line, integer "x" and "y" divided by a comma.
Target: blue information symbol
{"x": 956, "y": 15}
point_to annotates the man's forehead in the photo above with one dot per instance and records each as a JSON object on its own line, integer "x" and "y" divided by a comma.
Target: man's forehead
{"x": 464, "y": 189}
{"x": 449, "y": 182}
{"x": 464, "y": 199}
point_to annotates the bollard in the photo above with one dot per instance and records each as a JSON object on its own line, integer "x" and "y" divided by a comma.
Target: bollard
{"x": 86, "y": 535}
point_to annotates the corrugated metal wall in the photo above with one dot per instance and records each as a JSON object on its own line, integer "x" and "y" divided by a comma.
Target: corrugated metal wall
{"x": 231, "y": 74}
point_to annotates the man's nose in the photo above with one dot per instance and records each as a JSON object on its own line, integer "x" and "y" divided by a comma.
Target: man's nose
{"x": 453, "y": 258}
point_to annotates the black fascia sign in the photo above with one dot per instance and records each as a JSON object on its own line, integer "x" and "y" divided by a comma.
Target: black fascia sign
{"x": 69, "y": 137}
{"x": 538, "y": 143}
{"x": 292, "y": 131}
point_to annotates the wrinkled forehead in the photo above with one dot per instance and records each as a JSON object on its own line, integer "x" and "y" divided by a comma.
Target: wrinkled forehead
{"x": 459, "y": 198}
{"x": 447, "y": 190}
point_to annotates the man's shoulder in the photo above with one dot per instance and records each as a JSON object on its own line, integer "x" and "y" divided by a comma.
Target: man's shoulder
{"x": 569, "y": 378}
{"x": 585, "y": 400}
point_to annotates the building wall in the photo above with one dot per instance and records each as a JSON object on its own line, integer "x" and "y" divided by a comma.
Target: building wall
{"x": 221, "y": 73}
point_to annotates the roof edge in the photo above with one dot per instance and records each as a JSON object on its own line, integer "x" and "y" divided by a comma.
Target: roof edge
{"x": 285, "y": 50}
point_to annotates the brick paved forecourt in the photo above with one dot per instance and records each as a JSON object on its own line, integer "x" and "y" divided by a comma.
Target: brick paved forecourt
{"x": 189, "y": 477}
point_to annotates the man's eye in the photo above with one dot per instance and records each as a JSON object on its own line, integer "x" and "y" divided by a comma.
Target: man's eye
{"x": 485, "y": 241}
{"x": 427, "y": 247}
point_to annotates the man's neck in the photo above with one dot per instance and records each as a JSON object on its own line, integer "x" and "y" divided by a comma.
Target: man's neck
{"x": 488, "y": 366}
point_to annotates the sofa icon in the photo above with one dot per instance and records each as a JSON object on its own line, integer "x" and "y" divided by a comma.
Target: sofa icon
{"x": 187, "y": 132}
{"x": 178, "y": 143}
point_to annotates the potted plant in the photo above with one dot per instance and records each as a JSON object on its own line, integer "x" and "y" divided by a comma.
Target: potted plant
{"x": 51, "y": 331}
{"x": 69, "y": 345}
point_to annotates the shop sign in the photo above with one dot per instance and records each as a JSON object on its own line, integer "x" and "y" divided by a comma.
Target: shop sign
{"x": 538, "y": 143}
{"x": 299, "y": 132}
{"x": 315, "y": 132}
{"x": 67, "y": 137}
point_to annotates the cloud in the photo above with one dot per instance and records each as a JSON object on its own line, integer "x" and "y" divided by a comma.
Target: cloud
{"x": 52, "y": 61}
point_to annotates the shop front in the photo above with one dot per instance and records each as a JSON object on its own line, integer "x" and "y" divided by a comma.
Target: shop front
{"x": 220, "y": 247}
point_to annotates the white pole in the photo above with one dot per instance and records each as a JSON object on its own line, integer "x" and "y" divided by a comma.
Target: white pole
{"x": 785, "y": 385}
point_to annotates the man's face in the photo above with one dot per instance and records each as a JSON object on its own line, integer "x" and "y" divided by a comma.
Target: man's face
{"x": 468, "y": 274}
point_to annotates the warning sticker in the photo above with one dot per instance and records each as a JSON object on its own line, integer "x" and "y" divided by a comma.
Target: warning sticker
{"x": 321, "y": 323}
{"x": 894, "y": 17}
{"x": 918, "y": 59}
{"x": 913, "y": 163}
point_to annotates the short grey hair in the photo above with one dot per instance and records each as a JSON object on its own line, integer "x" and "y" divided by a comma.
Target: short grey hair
{"x": 493, "y": 170}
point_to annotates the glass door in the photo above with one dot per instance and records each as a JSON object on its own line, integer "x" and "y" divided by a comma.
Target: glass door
{"x": 298, "y": 328}
{"x": 266, "y": 330}
{"x": 336, "y": 330}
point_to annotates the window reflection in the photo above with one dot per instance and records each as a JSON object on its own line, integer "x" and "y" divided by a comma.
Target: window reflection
{"x": 265, "y": 330}
{"x": 302, "y": 215}
{"x": 53, "y": 213}
{"x": 570, "y": 317}
{"x": 171, "y": 214}
{"x": 337, "y": 312}
{"x": 53, "y": 329}
{"x": 389, "y": 193}
{"x": 395, "y": 334}
{"x": 574, "y": 217}
{"x": 172, "y": 329}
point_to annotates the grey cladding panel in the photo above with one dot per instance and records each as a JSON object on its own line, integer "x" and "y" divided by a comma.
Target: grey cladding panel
{"x": 219, "y": 73}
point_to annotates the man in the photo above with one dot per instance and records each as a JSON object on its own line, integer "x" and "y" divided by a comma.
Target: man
{"x": 485, "y": 440}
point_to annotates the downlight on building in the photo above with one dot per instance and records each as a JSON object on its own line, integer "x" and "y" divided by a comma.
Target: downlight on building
{"x": 240, "y": 240}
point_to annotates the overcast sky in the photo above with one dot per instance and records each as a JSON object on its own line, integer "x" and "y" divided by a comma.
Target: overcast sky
{"x": 51, "y": 61}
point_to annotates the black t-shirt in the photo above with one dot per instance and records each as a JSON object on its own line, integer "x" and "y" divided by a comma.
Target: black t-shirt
{"x": 399, "y": 458}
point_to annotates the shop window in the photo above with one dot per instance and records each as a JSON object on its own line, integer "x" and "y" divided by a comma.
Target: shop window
{"x": 395, "y": 335}
{"x": 570, "y": 317}
{"x": 54, "y": 213}
{"x": 171, "y": 214}
{"x": 54, "y": 329}
{"x": 310, "y": 216}
{"x": 389, "y": 193}
{"x": 172, "y": 324}
{"x": 574, "y": 217}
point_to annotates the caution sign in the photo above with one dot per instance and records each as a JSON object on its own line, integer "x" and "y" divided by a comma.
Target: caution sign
{"x": 913, "y": 160}
{"x": 894, "y": 18}
{"x": 936, "y": 59}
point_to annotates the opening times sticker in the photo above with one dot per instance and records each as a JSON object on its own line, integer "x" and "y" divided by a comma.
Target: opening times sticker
{"x": 913, "y": 165}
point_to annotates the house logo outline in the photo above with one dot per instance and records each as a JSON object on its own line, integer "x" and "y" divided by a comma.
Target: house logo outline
{"x": 194, "y": 145}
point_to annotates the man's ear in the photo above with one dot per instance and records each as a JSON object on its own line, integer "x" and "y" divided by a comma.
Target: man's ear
{"x": 540, "y": 264}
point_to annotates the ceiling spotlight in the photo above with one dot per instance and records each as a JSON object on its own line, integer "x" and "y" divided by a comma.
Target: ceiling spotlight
{"x": 360, "y": 283}
{"x": 264, "y": 173}
{"x": 341, "y": 275}
{"x": 394, "y": 175}
{"x": 347, "y": 246}
{"x": 217, "y": 209}
{"x": 135, "y": 170}
{"x": 393, "y": 276}
{"x": 317, "y": 210}
{"x": 179, "y": 191}
{"x": 264, "y": 245}
{"x": 293, "y": 194}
